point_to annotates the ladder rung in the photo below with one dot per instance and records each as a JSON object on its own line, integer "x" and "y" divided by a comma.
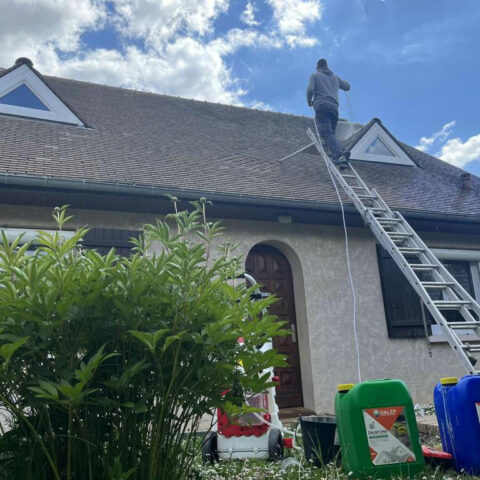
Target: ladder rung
{"x": 411, "y": 250}
{"x": 377, "y": 210}
{"x": 389, "y": 220}
{"x": 367, "y": 197}
{"x": 423, "y": 266}
{"x": 437, "y": 284}
{"x": 399, "y": 234}
{"x": 471, "y": 349}
{"x": 451, "y": 304}
{"x": 462, "y": 325}
{"x": 348, "y": 176}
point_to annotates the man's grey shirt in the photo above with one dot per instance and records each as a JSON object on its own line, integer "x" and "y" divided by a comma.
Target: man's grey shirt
{"x": 322, "y": 90}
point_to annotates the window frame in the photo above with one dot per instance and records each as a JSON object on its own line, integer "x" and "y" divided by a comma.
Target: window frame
{"x": 473, "y": 258}
{"x": 28, "y": 91}
{"x": 395, "y": 327}
{"x": 23, "y": 75}
{"x": 30, "y": 234}
{"x": 358, "y": 152}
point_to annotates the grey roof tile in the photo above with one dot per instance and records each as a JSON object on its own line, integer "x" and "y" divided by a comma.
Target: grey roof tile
{"x": 145, "y": 139}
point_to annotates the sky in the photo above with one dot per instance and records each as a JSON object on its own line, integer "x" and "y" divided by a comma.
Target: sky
{"x": 413, "y": 64}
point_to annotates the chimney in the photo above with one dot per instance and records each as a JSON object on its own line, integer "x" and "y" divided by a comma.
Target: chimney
{"x": 466, "y": 181}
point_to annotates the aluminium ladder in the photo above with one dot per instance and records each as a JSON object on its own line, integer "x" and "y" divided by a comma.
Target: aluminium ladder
{"x": 414, "y": 259}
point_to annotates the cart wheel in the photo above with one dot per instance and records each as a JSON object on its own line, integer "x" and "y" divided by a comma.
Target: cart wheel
{"x": 209, "y": 448}
{"x": 275, "y": 445}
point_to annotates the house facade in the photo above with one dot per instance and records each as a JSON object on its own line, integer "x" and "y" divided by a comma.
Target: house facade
{"x": 113, "y": 154}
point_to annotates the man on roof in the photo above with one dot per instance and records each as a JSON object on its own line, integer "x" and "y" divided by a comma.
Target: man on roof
{"x": 322, "y": 95}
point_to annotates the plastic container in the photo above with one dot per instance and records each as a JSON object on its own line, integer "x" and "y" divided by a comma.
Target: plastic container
{"x": 437, "y": 458}
{"x": 318, "y": 435}
{"x": 458, "y": 412}
{"x": 377, "y": 429}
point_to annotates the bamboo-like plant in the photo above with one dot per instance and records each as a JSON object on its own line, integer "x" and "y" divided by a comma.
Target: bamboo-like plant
{"x": 107, "y": 363}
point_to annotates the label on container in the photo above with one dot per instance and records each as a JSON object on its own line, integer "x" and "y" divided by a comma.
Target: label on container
{"x": 388, "y": 435}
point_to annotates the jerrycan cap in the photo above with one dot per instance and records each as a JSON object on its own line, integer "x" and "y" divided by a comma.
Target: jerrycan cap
{"x": 345, "y": 387}
{"x": 449, "y": 381}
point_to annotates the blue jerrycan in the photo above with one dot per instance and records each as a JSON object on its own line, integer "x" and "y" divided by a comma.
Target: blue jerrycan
{"x": 457, "y": 404}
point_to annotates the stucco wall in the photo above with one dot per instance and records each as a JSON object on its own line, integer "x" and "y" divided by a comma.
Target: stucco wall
{"x": 323, "y": 301}
{"x": 325, "y": 326}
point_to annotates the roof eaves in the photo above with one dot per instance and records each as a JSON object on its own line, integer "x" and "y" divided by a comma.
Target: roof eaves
{"x": 145, "y": 190}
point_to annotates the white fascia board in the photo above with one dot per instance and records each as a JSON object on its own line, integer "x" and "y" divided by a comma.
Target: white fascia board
{"x": 58, "y": 111}
{"x": 358, "y": 152}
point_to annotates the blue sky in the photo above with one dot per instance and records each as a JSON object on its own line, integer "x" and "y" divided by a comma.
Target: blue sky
{"x": 414, "y": 64}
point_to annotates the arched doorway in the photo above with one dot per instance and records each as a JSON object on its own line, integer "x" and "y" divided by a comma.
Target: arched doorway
{"x": 271, "y": 269}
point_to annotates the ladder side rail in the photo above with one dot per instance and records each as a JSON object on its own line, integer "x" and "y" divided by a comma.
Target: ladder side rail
{"x": 452, "y": 337}
{"x": 440, "y": 274}
{"x": 464, "y": 295}
{"x": 429, "y": 257}
{"x": 360, "y": 180}
{"x": 426, "y": 256}
{"x": 338, "y": 176}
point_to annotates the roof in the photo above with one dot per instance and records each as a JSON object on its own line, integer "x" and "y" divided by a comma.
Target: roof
{"x": 145, "y": 139}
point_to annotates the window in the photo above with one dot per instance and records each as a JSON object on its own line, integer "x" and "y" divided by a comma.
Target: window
{"x": 100, "y": 239}
{"x": 103, "y": 239}
{"x": 377, "y": 145}
{"x": 30, "y": 234}
{"x": 403, "y": 308}
{"x": 22, "y": 96}
{"x": 24, "y": 93}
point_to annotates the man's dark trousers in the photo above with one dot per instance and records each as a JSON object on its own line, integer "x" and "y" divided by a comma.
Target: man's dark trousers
{"x": 327, "y": 124}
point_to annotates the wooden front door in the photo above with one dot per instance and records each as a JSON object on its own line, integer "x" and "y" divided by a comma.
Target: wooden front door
{"x": 271, "y": 270}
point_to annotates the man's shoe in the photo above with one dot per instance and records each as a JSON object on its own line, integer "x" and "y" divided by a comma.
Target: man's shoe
{"x": 341, "y": 162}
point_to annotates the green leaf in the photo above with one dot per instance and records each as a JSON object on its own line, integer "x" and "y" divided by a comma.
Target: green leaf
{"x": 8, "y": 349}
{"x": 150, "y": 339}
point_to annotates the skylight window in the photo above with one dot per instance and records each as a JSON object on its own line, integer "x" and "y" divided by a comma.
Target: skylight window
{"x": 377, "y": 147}
{"x": 22, "y": 96}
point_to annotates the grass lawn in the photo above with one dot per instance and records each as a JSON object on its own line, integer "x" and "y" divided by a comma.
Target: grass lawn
{"x": 260, "y": 470}
{"x": 263, "y": 470}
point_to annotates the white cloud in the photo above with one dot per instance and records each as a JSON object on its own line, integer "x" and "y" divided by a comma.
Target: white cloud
{"x": 292, "y": 17}
{"x": 27, "y": 26}
{"x": 258, "y": 105}
{"x": 248, "y": 15}
{"x": 459, "y": 153}
{"x": 158, "y": 21}
{"x": 441, "y": 135}
{"x": 187, "y": 68}
{"x": 164, "y": 46}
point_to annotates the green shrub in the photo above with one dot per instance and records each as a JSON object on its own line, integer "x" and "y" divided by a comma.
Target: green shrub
{"x": 108, "y": 363}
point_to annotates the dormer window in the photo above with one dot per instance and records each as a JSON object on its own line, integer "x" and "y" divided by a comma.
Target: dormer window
{"x": 24, "y": 93}
{"x": 22, "y": 96}
{"x": 376, "y": 145}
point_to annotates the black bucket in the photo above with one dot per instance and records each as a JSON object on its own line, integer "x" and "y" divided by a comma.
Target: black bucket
{"x": 318, "y": 435}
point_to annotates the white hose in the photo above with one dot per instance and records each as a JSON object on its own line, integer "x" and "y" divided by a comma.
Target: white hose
{"x": 282, "y": 428}
{"x": 347, "y": 254}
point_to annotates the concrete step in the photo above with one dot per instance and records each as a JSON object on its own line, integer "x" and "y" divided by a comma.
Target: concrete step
{"x": 428, "y": 425}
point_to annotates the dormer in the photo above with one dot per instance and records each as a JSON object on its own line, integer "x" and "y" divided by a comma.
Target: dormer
{"x": 377, "y": 145}
{"x": 24, "y": 93}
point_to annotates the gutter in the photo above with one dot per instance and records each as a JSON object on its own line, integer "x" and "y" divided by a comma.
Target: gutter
{"x": 152, "y": 191}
